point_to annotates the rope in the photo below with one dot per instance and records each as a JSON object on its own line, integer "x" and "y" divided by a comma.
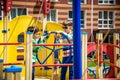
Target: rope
{"x": 91, "y": 20}
{"x": 40, "y": 10}
{"x": 39, "y": 14}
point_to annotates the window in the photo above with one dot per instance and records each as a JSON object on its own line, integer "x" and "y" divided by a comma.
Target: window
{"x": 54, "y": 0}
{"x": 52, "y": 16}
{"x": 82, "y": 1}
{"x": 21, "y": 37}
{"x": 106, "y": 20}
{"x": 110, "y": 39}
{"x": 69, "y": 15}
{"x": 70, "y": 1}
{"x": 1, "y": 15}
{"x": 17, "y": 12}
{"x": 51, "y": 0}
{"x": 82, "y": 18}
{"x": 106, "y": 1}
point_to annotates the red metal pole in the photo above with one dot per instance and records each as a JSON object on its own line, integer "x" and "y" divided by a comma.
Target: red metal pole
{"x": 14, "y": 43}
{"x": 112, "y": 45}
{"x": 6, "y": 64}
{"x": 42, "y": 65}
{"x": 52, "y": 44}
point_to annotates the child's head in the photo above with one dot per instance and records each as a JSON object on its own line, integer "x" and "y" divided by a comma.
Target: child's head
{"x": 35, "y": 30}
{"x": 67, "y": 27}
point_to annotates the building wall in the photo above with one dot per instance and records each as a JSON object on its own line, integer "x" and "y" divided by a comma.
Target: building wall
{"x": 63, "y": 7}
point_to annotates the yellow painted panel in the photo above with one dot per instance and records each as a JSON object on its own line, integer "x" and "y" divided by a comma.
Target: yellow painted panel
{"x": 1, "y": 39}
{"x": 19, "y": 25}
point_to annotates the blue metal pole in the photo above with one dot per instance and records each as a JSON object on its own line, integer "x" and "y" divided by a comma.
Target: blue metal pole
{"x": 77, "y": 39}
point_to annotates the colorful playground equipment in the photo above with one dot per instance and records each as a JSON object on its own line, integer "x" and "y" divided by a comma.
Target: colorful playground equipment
{"x": 106, "y": 60}
{"x": 95, "y": 59}
{"x": 99, "y": 60}
{"x": 13, "y": 73}
{"x": 1, "y": 70}
{"x": 10, "y": 73}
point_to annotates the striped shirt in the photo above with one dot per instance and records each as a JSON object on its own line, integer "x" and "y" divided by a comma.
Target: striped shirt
{"x": 66, "y": 50}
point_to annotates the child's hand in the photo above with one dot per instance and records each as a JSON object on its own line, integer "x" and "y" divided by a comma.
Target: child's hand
{"x": 48, "y": 33}
{"x": 57, "y": 37}
{"x": 65, "y": 41}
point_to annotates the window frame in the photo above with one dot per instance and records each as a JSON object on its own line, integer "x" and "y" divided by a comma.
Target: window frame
{"x": 1, "y": 16}
{"x": 68, "y": 15}
{"x": 81, "y": 3}
{"x": 106, "y": 3}
{"x": 84, "y": 2}
{"x": 50, "y": 16}
{"x": 21, "y": 37}
{"x": 54, "y": 0}
{"x": 110, "y": 39}
{"x": 69, "y": 2}
{"x": 107, "y": 20}
{"x": 84, "y": 27}
{"x": 16, "y": 11}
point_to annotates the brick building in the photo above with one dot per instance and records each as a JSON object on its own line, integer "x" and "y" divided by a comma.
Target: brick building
{"x": 96, "y": 15}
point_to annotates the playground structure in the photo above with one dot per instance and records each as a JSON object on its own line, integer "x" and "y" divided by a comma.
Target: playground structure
{"x": 110, "y": 71}
{"x": 99, "y": 49}
{"x": 10, "y": 73}
{"x": 109, "y": 50}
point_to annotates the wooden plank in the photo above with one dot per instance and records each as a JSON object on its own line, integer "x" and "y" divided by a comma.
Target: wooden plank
{"x": 9, "y": 76}
{"x": 1, "y": 70}
{"x": 18, "y": 76}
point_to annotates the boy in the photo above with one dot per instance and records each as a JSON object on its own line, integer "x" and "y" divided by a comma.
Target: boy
{"x": 36, "y": 40}
{"x": 66, "y": 51}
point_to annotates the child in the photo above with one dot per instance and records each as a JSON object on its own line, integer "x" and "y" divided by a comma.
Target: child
{"x": 66, "y": 51}
{"x": 36, "y": 40}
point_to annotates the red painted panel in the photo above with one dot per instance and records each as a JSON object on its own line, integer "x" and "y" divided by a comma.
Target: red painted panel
{"x": 107, "y": 49}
